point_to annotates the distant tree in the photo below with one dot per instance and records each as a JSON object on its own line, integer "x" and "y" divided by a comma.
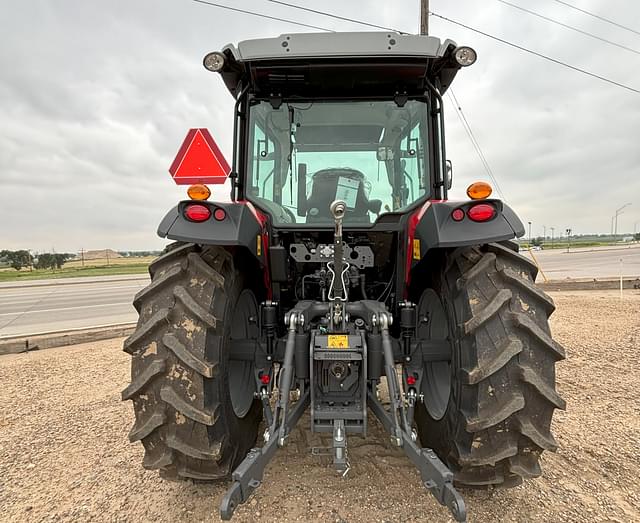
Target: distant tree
{"x": 17, "y": 259}
{"x": 536, "y": 242}
{"x": 60, "y": 258}
{"x": 47, "y": 260}
{"x": 636, "y": 237}
{"x": 4, "y": 257}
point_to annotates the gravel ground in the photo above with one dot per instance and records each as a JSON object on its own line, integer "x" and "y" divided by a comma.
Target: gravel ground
{"x": 64, "y": 453}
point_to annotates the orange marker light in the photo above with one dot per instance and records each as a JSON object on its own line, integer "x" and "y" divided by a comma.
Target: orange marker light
{"x": 479, "y": 190}
{"x": 199, "y": 191}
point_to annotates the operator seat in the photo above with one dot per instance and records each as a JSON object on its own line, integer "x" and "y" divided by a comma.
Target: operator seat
{"x": 339, "y": 183}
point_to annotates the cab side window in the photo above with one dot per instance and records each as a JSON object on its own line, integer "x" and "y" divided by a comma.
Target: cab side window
{"x": 262, "y": 164}
{"x": 413, "y": 164}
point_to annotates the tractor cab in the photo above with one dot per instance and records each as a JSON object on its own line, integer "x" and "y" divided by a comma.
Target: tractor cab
{"x": 352, "y": 116}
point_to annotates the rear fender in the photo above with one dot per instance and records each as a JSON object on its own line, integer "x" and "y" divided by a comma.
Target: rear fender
{"x": 432, "y": 227}
{"x": 241, "y": 227}
{"x": 437, "y": 228}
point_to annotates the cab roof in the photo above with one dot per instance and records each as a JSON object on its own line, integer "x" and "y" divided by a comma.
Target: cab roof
{"x": 339, "y": 64}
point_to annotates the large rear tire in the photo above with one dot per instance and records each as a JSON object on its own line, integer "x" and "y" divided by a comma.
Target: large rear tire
{"x": 488, "y": 412}
{"x": 194, "y": 408}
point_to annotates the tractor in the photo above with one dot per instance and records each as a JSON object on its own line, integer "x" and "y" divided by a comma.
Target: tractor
{"x": 340, "y": 281}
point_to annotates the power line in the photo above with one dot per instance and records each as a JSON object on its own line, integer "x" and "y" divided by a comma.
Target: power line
{"x": 253, "y": 13}
{"x": 501, "y": 40}
{"x": 598, "y": 17}
{"x": 472, "y": 138}
{"x": 567, "y": 26}
{"x": 332, "y": 15}
{"x": 535, "y": 53}
{"x": 506, "y": 42}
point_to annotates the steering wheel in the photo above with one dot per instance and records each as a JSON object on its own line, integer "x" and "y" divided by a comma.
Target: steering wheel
{"x": 289, "y": 213}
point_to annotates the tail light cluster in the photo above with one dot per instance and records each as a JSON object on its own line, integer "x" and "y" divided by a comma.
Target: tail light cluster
{"x": 197, "y": 212}
{"x": 480, "y": 212}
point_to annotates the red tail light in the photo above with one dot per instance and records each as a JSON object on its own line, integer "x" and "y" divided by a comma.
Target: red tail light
{"x": 219, "y": 214}
{"x": 482, "y": 212}
{"x": 197, "y": 212}
{"x": 457, "y": 215}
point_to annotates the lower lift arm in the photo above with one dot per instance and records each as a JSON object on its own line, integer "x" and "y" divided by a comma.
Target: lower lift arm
{"x": 435, "y": 475}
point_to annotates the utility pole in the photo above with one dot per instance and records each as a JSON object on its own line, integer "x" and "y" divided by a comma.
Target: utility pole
{"x": 424, "y": 17}
{"x": 615, "y": 229}
{"x": 529, "y": 235}
{"x": 544, "y": 233}
{"x": 82, "y": 255}
{"x": 552, "y": 229}
{"x": 568, "y": 239}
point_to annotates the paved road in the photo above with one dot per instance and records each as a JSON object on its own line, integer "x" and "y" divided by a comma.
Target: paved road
{"x": 34, "y": 308}
{"x": 44, "y": 306}
{"x": 559, "y": 264}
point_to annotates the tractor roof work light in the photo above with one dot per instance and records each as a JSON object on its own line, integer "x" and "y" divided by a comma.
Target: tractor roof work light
{"x": 465, "y": 56}
{"x": 214, "y": 62}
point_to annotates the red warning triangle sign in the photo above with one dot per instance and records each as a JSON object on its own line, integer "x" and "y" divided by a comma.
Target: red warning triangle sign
{"x": 199, "y": 160}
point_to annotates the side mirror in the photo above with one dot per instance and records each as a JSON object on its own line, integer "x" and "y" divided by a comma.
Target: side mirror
{"x": 449, "y": 175}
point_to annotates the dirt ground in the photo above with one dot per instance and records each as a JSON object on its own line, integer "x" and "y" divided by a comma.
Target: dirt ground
{"x": 64, "y": 453}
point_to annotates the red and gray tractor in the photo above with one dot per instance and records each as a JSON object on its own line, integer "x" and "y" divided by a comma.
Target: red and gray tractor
{"x": 340, "y": 281}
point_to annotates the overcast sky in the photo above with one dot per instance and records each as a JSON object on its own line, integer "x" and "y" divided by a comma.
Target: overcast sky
{"x": 96, "y": 97}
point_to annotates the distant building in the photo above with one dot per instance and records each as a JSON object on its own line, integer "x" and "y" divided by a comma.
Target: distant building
{"x": 101, "y": 255}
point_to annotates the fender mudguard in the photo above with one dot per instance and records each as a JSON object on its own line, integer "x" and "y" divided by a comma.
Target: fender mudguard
{"x": 240, "y": 227}
{"x": 436, "y": 228}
